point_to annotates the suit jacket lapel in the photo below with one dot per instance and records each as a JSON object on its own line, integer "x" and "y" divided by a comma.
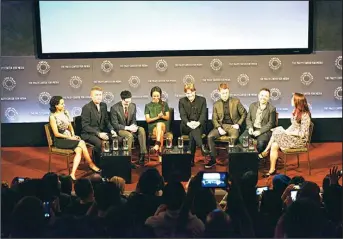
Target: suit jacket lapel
{"x": 230, "y": 107}
{"x": 121, "y": 112}
{"x": 264, "y": 112}
{"x": 254, "y": 111}
{"x": 130, "y": 113}
{"x": 95, "y": 111}
{"x": 221, "y": 110}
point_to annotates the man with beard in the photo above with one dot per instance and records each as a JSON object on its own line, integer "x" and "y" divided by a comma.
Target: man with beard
{"x": 227, "y": 117}
{"x": 260, "y": 120}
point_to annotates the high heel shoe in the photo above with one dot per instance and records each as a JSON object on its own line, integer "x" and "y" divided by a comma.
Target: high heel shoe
{"x": 72, "y": 178}
{"x": 269, "y": 174}
{"x": 95, "y": 170}
{"x": 156, "y": 151}
{"x": 263, "y": 154}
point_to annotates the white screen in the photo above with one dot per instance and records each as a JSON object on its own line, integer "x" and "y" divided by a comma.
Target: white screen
{"x": 105, "y": 26}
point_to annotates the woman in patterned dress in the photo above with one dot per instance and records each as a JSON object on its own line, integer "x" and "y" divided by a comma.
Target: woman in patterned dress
{"x": 64, "y": 136}
{"x": 295, "y": 136}
{"x": 157, "y": 116}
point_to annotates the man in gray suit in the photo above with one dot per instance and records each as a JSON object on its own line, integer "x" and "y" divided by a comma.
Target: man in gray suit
{"x": 261, "y": 119}
{"x": 227, "y": 117}
{"x": 123, "y": 119}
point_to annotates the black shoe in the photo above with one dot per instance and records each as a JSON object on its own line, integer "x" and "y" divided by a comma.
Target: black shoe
{"x": 204, "y": 151}
{"x": 269, "y": 174}
{"x": 95, "y": 171}
{"x": 141, "y": 160}
{"x": 211, "y": 163}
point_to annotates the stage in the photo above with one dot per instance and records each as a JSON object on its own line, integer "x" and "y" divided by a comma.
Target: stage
{"x": 32, "y": 162}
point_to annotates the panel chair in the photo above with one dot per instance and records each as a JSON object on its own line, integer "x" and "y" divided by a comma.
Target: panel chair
{"x": 56, "y": 151}
{"x": 203, "y": 136}
{"x": 167, "y": 134}
{"x": 304, "y": 150}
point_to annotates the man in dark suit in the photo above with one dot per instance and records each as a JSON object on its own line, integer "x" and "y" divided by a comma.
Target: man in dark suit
{"x": 193, "y": 116}
{"x": 95, "y": 123}
{"x": 123, "y": 119}
{"x": 227, "y": 117}
{"x": 260, "y": 120}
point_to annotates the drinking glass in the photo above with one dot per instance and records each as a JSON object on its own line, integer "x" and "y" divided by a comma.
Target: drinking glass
{"x": 106, "y": 146}
{"x": 231, "y": 142}
{"x": 125, "y": 144}
{"x": 169, "y": 143}
{"x": 180, "y": 142}
{"x": 115, "y": 144}
{"x": 245, "y": 141}
{"x": 251, "y": 144}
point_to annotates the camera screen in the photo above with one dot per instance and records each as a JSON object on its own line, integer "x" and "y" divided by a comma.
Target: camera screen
{"x": 294, "y": 195}
{"x": 260, "y": 190}
{"x": 214, "y": 180}
{"x": 20, "y": 180}
{"x": 297, "y": 187}
{"x": 46, "y": 206}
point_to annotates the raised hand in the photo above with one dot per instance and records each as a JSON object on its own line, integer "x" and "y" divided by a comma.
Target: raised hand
{"x": 334, "y": 175}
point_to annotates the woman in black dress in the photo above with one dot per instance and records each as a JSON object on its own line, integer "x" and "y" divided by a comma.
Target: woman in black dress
{"x": 64, "y": 136}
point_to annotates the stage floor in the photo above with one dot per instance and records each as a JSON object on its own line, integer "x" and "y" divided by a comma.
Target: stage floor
{"x": 32, "y": 162}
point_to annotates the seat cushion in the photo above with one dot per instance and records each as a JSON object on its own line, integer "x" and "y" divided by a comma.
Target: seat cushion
{"x": 62, "y": 151}
{"x": 186, "y": 137}
{"x": 292, "y": 151}
{"x": 222, "y": 139}
{"x": 166, "y": 135}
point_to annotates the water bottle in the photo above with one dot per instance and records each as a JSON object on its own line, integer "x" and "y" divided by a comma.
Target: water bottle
{"x": 251, "y": 144}
{"x": 245, "y": 142}
{"x": 180, "y": 142}
{"x": 169, "y": 143}
{"x": 231, "y": 142}
{"x": 106, "y": 145}
{"x": 115, "y": 143}
{"x": 125, "y": 144}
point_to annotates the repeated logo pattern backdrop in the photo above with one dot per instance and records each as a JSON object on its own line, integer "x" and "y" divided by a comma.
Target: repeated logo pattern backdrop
{"x": 28, "y": 84}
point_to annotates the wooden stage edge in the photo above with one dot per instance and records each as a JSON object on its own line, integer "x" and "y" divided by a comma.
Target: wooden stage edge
{"x": 32, "y": 162}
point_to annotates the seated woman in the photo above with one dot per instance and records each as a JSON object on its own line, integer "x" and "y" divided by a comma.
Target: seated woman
{"x": 64, "y": 136}
{"x": 157, "y": 117}
{"x": 295, "y": 136}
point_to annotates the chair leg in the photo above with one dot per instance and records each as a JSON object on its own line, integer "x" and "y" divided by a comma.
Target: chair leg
{"x": 148, "y": 149}
{"x": 285, "y": 164}
{"x": 298, "y": 160}
{"x": 68, "y": 166}
{"x": 49, "y": 167}
{"x": 309, "y": 163}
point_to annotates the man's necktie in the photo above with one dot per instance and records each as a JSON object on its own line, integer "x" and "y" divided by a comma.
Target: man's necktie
{"x": 126, "y": 112}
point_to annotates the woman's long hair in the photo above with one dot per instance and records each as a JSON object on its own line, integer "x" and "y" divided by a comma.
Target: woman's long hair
{"x": 300, "y": 106}
{"x": 159, "y": 90}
